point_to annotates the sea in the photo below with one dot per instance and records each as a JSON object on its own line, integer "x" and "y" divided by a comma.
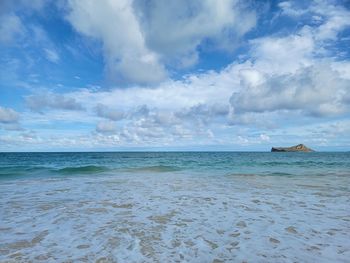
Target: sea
{"x": 175, "y": 207}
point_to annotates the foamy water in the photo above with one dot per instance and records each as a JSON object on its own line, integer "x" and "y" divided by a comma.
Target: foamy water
{"x": 175, "y": 216}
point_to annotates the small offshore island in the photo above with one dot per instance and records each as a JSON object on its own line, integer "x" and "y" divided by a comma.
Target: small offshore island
{"x": 296, "y": 148}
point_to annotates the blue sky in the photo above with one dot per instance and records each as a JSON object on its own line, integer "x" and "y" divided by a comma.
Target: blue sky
{"x": 182, "y": 75}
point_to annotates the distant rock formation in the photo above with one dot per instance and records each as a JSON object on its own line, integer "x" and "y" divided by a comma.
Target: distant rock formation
{"x": 296, "y": 148}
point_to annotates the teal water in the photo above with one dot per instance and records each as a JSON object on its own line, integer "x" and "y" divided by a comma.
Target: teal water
{"x": 21, "y": 165}
{"x": 175, "y": 207}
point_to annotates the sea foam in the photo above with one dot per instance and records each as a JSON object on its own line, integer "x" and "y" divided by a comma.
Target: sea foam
{"x": 175, "y": 217}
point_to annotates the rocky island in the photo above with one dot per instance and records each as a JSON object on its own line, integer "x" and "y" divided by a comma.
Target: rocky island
{"x": 296, "y": 148}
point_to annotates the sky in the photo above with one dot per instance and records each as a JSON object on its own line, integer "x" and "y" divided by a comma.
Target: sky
{"x": 221, "y": 75}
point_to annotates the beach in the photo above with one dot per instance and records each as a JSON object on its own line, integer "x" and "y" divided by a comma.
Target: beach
{"x": 168, "y": 207}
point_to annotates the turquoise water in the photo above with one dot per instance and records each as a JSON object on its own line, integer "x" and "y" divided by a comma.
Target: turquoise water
{"x": 175, "y": 207}
{"x": 53, "y": 164}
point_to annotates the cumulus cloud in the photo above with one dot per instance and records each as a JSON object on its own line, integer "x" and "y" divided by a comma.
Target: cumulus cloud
{"x": 284, "y": 54}
{"x": 316, "y": 90}
{"x": 172, "y": 37}
{"x": 292, "y": 72}
{"x": 43, "y": 101}
{"x": 141, "y": 37}
{"x": 335, "y": 18}
{"x": 332, "y": 15}
{"x": 116, "y": 25}
{"x": 281, "y": 77}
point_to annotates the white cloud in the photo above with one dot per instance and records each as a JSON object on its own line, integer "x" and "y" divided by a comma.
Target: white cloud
{"x": 316, "y": 90}
{"x": 287, "y": 81}
{"x": 264, "y": 137}
{"x": 140, "y": 37}
{"x": 289, "y": 9}
{"x": 173, "y": 37}
{"x": 336, "y": 19}
{"x": 284, "y": 54}
{"x": 292, "y": 72}
{"x": 115, "y": 24}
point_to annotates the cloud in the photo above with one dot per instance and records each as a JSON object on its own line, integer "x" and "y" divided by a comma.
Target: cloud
{"x": 337, "y": 19}
{"x": 106, "y": 127}
{"x": 290, "y": 85}
{"x": 296, "y": 72}
{"x": 8, "y": 115}
{"x": 9, "y": 119}
{"x": 288, "y": 8}
{"x": 51, "y": 55}
{"x": 11, "y": 27}
{"x": 43, "y": 101}
{"x": 286, "y": 53}
{"x": 178, "y": 39}
{"x": 116, "y": 25}
{"x": 26, "y": 5}
{"x": 264, "y": 137}
{"x": 316, "y": 90}
{"x": 332, "y": 15}
{"x": 204, "y": 114}
{"x": 108, "y": 113}
{"x": 141, "y": 38}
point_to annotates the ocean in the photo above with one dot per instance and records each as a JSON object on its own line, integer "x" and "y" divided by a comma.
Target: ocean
{"x": 175, "y": 207}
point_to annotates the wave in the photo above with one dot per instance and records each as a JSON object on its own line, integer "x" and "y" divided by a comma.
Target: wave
{"x": 83, "y": 169}
{"x": 260, "y": 174}
{"x": 280, "y": 174}
{"x": 155, "y": 169}
{"x": 42, "y": 170}
{"x": 301, "y": 163}
{"x": 21, "y": 170}
{"x": 6, "y": 171}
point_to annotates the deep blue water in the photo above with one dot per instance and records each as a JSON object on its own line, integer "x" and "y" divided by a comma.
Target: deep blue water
{"x": 20, "y": 165}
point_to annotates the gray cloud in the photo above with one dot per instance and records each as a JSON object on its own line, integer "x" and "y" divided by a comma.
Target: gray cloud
{"x": 107, "y": 127}
{"x": 316, "y": 90}
{"x": 8, "y": 115}
{"x": 108, "y": 113}
{"x": 9, "y": 119}
{"x": 224, "y": 21}
{"x": 204, "y": 112}
{"x": 52, "y": 101}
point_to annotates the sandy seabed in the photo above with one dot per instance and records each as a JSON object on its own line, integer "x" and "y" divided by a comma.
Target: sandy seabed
{"x": 175, "y": 217}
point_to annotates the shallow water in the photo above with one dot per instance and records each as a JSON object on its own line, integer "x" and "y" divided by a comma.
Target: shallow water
{"x": 175, "y": 207}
